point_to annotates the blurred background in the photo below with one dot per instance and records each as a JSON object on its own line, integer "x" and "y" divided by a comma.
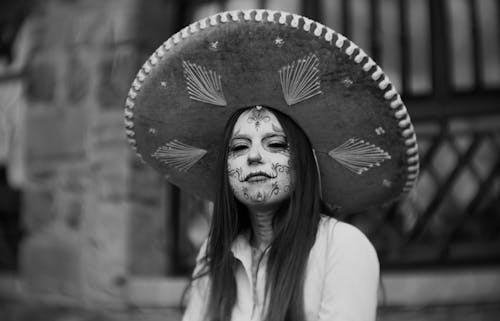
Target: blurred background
{"x": 87, "y": 232}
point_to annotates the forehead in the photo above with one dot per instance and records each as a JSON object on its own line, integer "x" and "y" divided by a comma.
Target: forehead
{"x": 257, "y": 120}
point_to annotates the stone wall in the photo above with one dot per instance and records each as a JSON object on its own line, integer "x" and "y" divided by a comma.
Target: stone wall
{"x": 90, "y": 208}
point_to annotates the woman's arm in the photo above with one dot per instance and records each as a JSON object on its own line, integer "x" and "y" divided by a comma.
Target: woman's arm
{"x": 351, "y": 277}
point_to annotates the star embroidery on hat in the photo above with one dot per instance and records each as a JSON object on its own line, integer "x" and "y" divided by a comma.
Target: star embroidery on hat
{"x": 379, "y": 131}
{"x": 214, "y": 45}
{"x": 347, "y": 82}
{"x": 387, "y": 183}
{"x": 279, "y": 41}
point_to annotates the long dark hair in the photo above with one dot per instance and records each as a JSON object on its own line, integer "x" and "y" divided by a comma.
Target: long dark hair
{"x": 295, "y": 227}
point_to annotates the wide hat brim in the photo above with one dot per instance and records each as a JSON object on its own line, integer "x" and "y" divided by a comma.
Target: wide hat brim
{"x": 186, "y": 91}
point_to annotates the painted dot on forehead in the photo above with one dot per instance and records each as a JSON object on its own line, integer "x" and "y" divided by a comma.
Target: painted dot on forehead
{"x": 257, "y": 117}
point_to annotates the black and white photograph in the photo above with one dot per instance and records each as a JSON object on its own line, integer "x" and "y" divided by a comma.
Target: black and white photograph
{"x": 250, "y": 160}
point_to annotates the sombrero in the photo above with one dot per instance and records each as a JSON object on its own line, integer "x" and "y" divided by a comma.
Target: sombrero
{"x": 185, "y": 92}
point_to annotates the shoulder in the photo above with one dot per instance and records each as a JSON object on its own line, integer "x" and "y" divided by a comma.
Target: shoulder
{"x": 339, "y": 231}
{"x": 343, "y": 240}
{"x": 348, "y": 272}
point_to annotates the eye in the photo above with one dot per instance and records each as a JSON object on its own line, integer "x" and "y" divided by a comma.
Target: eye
{"x": 238, "y": 148}
{"x": 278, "y": 145}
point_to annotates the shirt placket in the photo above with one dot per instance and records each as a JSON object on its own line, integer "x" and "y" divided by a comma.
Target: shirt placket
{"x": 243, "y": 252}
{"x": 258, "y": 287}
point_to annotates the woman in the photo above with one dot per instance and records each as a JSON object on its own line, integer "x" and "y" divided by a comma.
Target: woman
{"x": 335, "y": 132}
{"x": 265, "y": 222}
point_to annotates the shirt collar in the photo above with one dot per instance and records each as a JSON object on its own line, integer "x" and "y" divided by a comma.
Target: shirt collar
{"x": 241, "y": 248}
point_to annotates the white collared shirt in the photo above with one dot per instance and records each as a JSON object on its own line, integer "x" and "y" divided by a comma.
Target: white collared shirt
{"x": 340, "y": 285}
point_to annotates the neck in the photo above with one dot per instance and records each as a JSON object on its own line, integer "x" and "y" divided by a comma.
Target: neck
{"x": 261, "y": 220}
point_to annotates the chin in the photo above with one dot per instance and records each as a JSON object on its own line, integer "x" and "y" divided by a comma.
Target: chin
{"x": 265, "y": 202}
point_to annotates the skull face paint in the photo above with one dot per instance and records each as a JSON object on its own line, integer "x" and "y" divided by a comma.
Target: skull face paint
{"x": 258, "y": 164}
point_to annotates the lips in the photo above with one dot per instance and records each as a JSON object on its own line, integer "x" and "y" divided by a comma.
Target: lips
{"x": 257, "y": 177}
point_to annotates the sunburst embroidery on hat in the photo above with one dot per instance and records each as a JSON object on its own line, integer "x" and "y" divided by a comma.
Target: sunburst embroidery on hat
{"x": 203, "y": 85}
{"x": 178, "y": 155}
{"x": 300, "y": 80}
{"x": 358, "y": 156}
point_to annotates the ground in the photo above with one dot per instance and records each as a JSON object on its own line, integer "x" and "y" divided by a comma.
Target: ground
{"x": 16, "y": 311}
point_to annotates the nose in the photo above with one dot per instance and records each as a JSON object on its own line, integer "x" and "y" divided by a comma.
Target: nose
{"x": 254, "y": 155}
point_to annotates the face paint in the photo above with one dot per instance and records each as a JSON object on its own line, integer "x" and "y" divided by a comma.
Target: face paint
{"x": 258, "y": 164}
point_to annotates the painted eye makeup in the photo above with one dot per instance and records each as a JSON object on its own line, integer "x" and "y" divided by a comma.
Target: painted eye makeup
{"x": 238, "y": 145}
{"x": 238, "y": 148}
{"x": 277, "y": 143}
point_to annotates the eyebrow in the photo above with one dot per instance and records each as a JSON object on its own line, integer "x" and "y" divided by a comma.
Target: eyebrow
{"x": 270, "y": 135}
{"x": 274, "y": 135}
{"x": 240, "y": 137}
